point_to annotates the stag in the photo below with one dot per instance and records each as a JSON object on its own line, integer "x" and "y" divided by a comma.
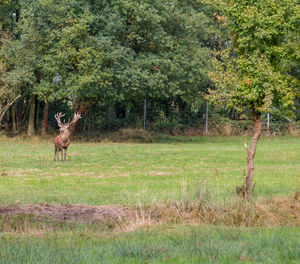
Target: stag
{"x": 62, "y": 141}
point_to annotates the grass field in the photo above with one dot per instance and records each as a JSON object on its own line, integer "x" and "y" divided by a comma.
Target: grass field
{"x": 129, "y": 173}
{"x": 111, "y": 173}
{"x": 167, "y": 244}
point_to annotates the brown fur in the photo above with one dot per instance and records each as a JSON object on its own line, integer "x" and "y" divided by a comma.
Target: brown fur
{"x": 62, "y": 141}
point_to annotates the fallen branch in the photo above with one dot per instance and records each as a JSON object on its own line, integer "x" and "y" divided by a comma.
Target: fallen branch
{"x": 3, "y": 110}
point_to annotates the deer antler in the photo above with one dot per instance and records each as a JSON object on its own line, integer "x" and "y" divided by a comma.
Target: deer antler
{"x": 57, "y": 117}
{"x": 76, "y": 117}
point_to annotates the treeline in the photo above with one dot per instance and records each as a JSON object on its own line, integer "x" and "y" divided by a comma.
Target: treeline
{"x": 108, "y": 60}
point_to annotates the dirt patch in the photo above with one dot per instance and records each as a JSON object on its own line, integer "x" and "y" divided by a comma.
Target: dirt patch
{"x": 72, "y": 213}
{"x": 157, "y": 173}
{"x": 74, "y": 154}
{"x": 279, "y": 211}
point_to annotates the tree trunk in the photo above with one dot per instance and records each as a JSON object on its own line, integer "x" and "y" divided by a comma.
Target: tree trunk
{"x": 247, "y": 189}
{"x": 19, "y": 110}
{"x": 45, "y": 119}
{"x": 14, "y": 119}
{"x": 25, "y": 110}
{"x": 6, "y": 122}
{"x": 30, "y": 131}
{"x": 81, "y": 110}
{"x": 111, "y": 111}
{"x": 37, "y": 113}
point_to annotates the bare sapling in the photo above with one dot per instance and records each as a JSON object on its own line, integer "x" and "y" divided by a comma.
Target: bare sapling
{"x": 62, "y": 141}
{"x": 247, "y": 189}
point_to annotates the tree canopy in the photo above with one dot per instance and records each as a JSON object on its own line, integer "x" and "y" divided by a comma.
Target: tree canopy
{"x": 106, "y": 57}
{"x": 255, "y": 70}
{"x": 106, "y": 52}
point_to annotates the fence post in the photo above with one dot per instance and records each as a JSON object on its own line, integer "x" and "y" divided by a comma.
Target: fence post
{"x": 268, "y": 122}
{"x": 145, "y": 112}
{"x": 206, "y": 118}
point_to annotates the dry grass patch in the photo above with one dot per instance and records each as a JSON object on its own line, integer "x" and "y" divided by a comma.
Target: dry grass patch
{"x": 19, "y": 172}
{"x": 72, "y": 213}
{"x": 158, "y": 173}
{"x": 280, "y": 211}
{"x": 271, "y": 213}
{"x": 43, "y": 218}
{"x": 129, "y": 135}
{"x": 74, "y": 154}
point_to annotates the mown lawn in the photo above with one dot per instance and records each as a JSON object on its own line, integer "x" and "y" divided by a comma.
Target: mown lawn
{"x": 112, "y": 173}
{"x": 129, "y": 173}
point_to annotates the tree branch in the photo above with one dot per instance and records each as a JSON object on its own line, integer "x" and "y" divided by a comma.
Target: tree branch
{"x": 2, "y": 111}
{"x": 246, "y": 147}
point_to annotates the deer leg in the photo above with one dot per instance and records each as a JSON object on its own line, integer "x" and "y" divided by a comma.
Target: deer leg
{"x": 61, "y": 151}
{"x": 65, "y": 154}
{"x": 57, "y": 152}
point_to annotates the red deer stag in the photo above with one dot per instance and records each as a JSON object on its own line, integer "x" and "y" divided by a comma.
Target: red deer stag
{"x": 62, "y": 141}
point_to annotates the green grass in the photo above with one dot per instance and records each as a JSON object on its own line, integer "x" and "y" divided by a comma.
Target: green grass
{"x": 128, "y": 173}
{"x": 113, "y": 173}
{"x": 167, "y": 244}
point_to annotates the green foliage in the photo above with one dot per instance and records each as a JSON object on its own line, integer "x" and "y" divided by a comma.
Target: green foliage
{"x": 251, "y": 82}
{"x": 250, "y": 72}
{"x": 121, "y": 52}
{"x": 54, "y": 39}
{"x": 107, "y": 52}
{"x": 151, "y": 50}
{"x": 8, "y": 14}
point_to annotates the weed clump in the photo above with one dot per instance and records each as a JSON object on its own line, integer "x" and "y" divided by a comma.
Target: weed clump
{"x": 280, "y": 211}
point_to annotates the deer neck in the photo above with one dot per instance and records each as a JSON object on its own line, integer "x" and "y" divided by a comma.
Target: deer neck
{"x": 65, "y": 135}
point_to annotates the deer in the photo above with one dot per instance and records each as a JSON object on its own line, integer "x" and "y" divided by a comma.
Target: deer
{"x": 62, "y": 141}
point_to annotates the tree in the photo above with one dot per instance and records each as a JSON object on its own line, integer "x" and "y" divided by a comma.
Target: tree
{"x": 251, "y": 73}
{"x": 52, "y": 39}
{"x": 152, "y": 49}
{"x": 108, "y": 55}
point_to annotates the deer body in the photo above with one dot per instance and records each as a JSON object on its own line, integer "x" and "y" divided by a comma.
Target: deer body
{"x": 62, "y": 141}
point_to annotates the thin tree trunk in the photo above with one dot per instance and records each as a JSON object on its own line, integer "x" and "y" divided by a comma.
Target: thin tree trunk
{"x": 37, "y": 113}
{"x": 111, "y": 111}
{"x": 30, "y": 130}
{"x": 247, "y": 189}
{"x": 14, "y": 119}
{"x": 19, "y": 110}
{"x": 6, "y": 123}
{"x": 85, "y": 121}
{"x": 45, "y": 119}
{"x": 26, "y": 110}
{"x": 251, "y": 156}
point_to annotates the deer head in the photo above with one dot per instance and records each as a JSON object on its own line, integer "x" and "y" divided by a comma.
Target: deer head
{"x": 65, "y": 125}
